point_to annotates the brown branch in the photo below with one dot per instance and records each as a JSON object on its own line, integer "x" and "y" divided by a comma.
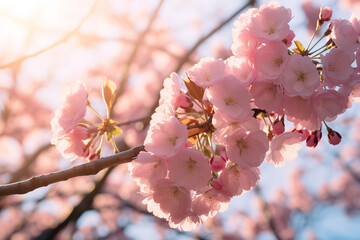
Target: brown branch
{"x": 23, "y": 171}
{"x": 85, "y": 169}
{"x": 64, "y": 39}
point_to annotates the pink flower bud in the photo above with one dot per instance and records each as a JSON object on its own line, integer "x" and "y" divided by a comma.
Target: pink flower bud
{"x": 184, "y": 101}
{"x": 93, "y": 157}
{"x": 325, "y": 14}
{"x": 278, "y": 127}
{"x": 314, "y": 139}
{"x": 334, "y": 137}
{"x": 217, "y": 163}
{"x": 289, "y": 38}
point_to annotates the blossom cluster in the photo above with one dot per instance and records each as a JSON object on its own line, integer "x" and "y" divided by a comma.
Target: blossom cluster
{"x": 205, "y": 143}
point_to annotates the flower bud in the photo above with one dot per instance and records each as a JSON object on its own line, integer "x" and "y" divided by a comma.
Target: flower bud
{"x": 314, "y": 139}
{"x": 289, "y": 38}
{"x": 184, "y": 101}
{"x": 93, "y": 157}
{"x": 278, "y": 127}
{"x": 217, "y": 163}
{"x": 325, "y": 14}
{"x": 334, "y": 137}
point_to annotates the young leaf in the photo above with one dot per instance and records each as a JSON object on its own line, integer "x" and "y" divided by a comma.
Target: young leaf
{"x": 108, "y": 93}
{"x": 117, "y": 131}
{"x": 194, "y": 90}
{"x": 299, "y": 46}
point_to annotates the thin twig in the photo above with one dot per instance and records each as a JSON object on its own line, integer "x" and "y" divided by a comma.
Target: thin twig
{"x": 85, "y": 169}
{"x": 64, "y": 39}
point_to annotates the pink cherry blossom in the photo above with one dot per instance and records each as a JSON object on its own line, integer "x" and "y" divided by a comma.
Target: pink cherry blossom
{"x": 355, "y": 22}
{"x": 185, "y": 223}
{"x": 230, "y": 97}
{"x": 300, "y": 77}
{"x": 244, "y": 43}
{"x": 328, "y": 104}
{"x": 172, "y": 199}
{"x": 242, "y": 69}
{"x": 247, "y": 150}
{"x": 271, "y": 22}
{"x": 268, "y": 95}
{"x": 225, "y": 128}
{"x": 271, "y": 59}
{"x": 147, "y": 169}
{"x": 337, "y": 67}
{"x": 207, "y": 71}
{"x": 210, "y": 202}
{"x": 71, "y": 111}
{"x": 169, "y": 94}
{"x": 190, "y": 169}
{"x": 166, "y": 138}
{"x": 72, "y": 146}
{"x": 245, "y": 179}
{"x": 355, "y": 92}
{"x": 284, "y": 148}
{"x": 343, "y": 34}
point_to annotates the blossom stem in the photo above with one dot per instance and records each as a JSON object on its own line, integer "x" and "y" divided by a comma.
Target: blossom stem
{"x": 101, "y": 143}
{"x": 327, "y": 48}
{"x": 316, "y": 43}
{"x": 318, "y": 50}
{"x": 90, "y": 123}
{"x": 116, "y": 150}
{"x": 96, "y": 113}
{"x": 312, "y": 37}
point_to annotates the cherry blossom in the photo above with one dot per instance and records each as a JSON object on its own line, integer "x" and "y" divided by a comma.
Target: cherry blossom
{"x": 300, "y": 77}
{"x": 271, "y": 22}
{"x": 166, "y": 138}
{"x": 70, "y": 112}
{"x": 207, "y": 71}
{"x": 189, "y": 169}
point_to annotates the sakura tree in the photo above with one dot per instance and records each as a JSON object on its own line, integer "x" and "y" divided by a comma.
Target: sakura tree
{"x": 148, "y": 126}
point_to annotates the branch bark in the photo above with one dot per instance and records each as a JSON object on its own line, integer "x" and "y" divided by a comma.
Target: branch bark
{"x": 85, "y": 169}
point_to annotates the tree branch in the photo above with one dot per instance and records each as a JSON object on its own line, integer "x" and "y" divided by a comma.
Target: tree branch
{"x": 85, "y": 169}
{"x": 64, "y": 39}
